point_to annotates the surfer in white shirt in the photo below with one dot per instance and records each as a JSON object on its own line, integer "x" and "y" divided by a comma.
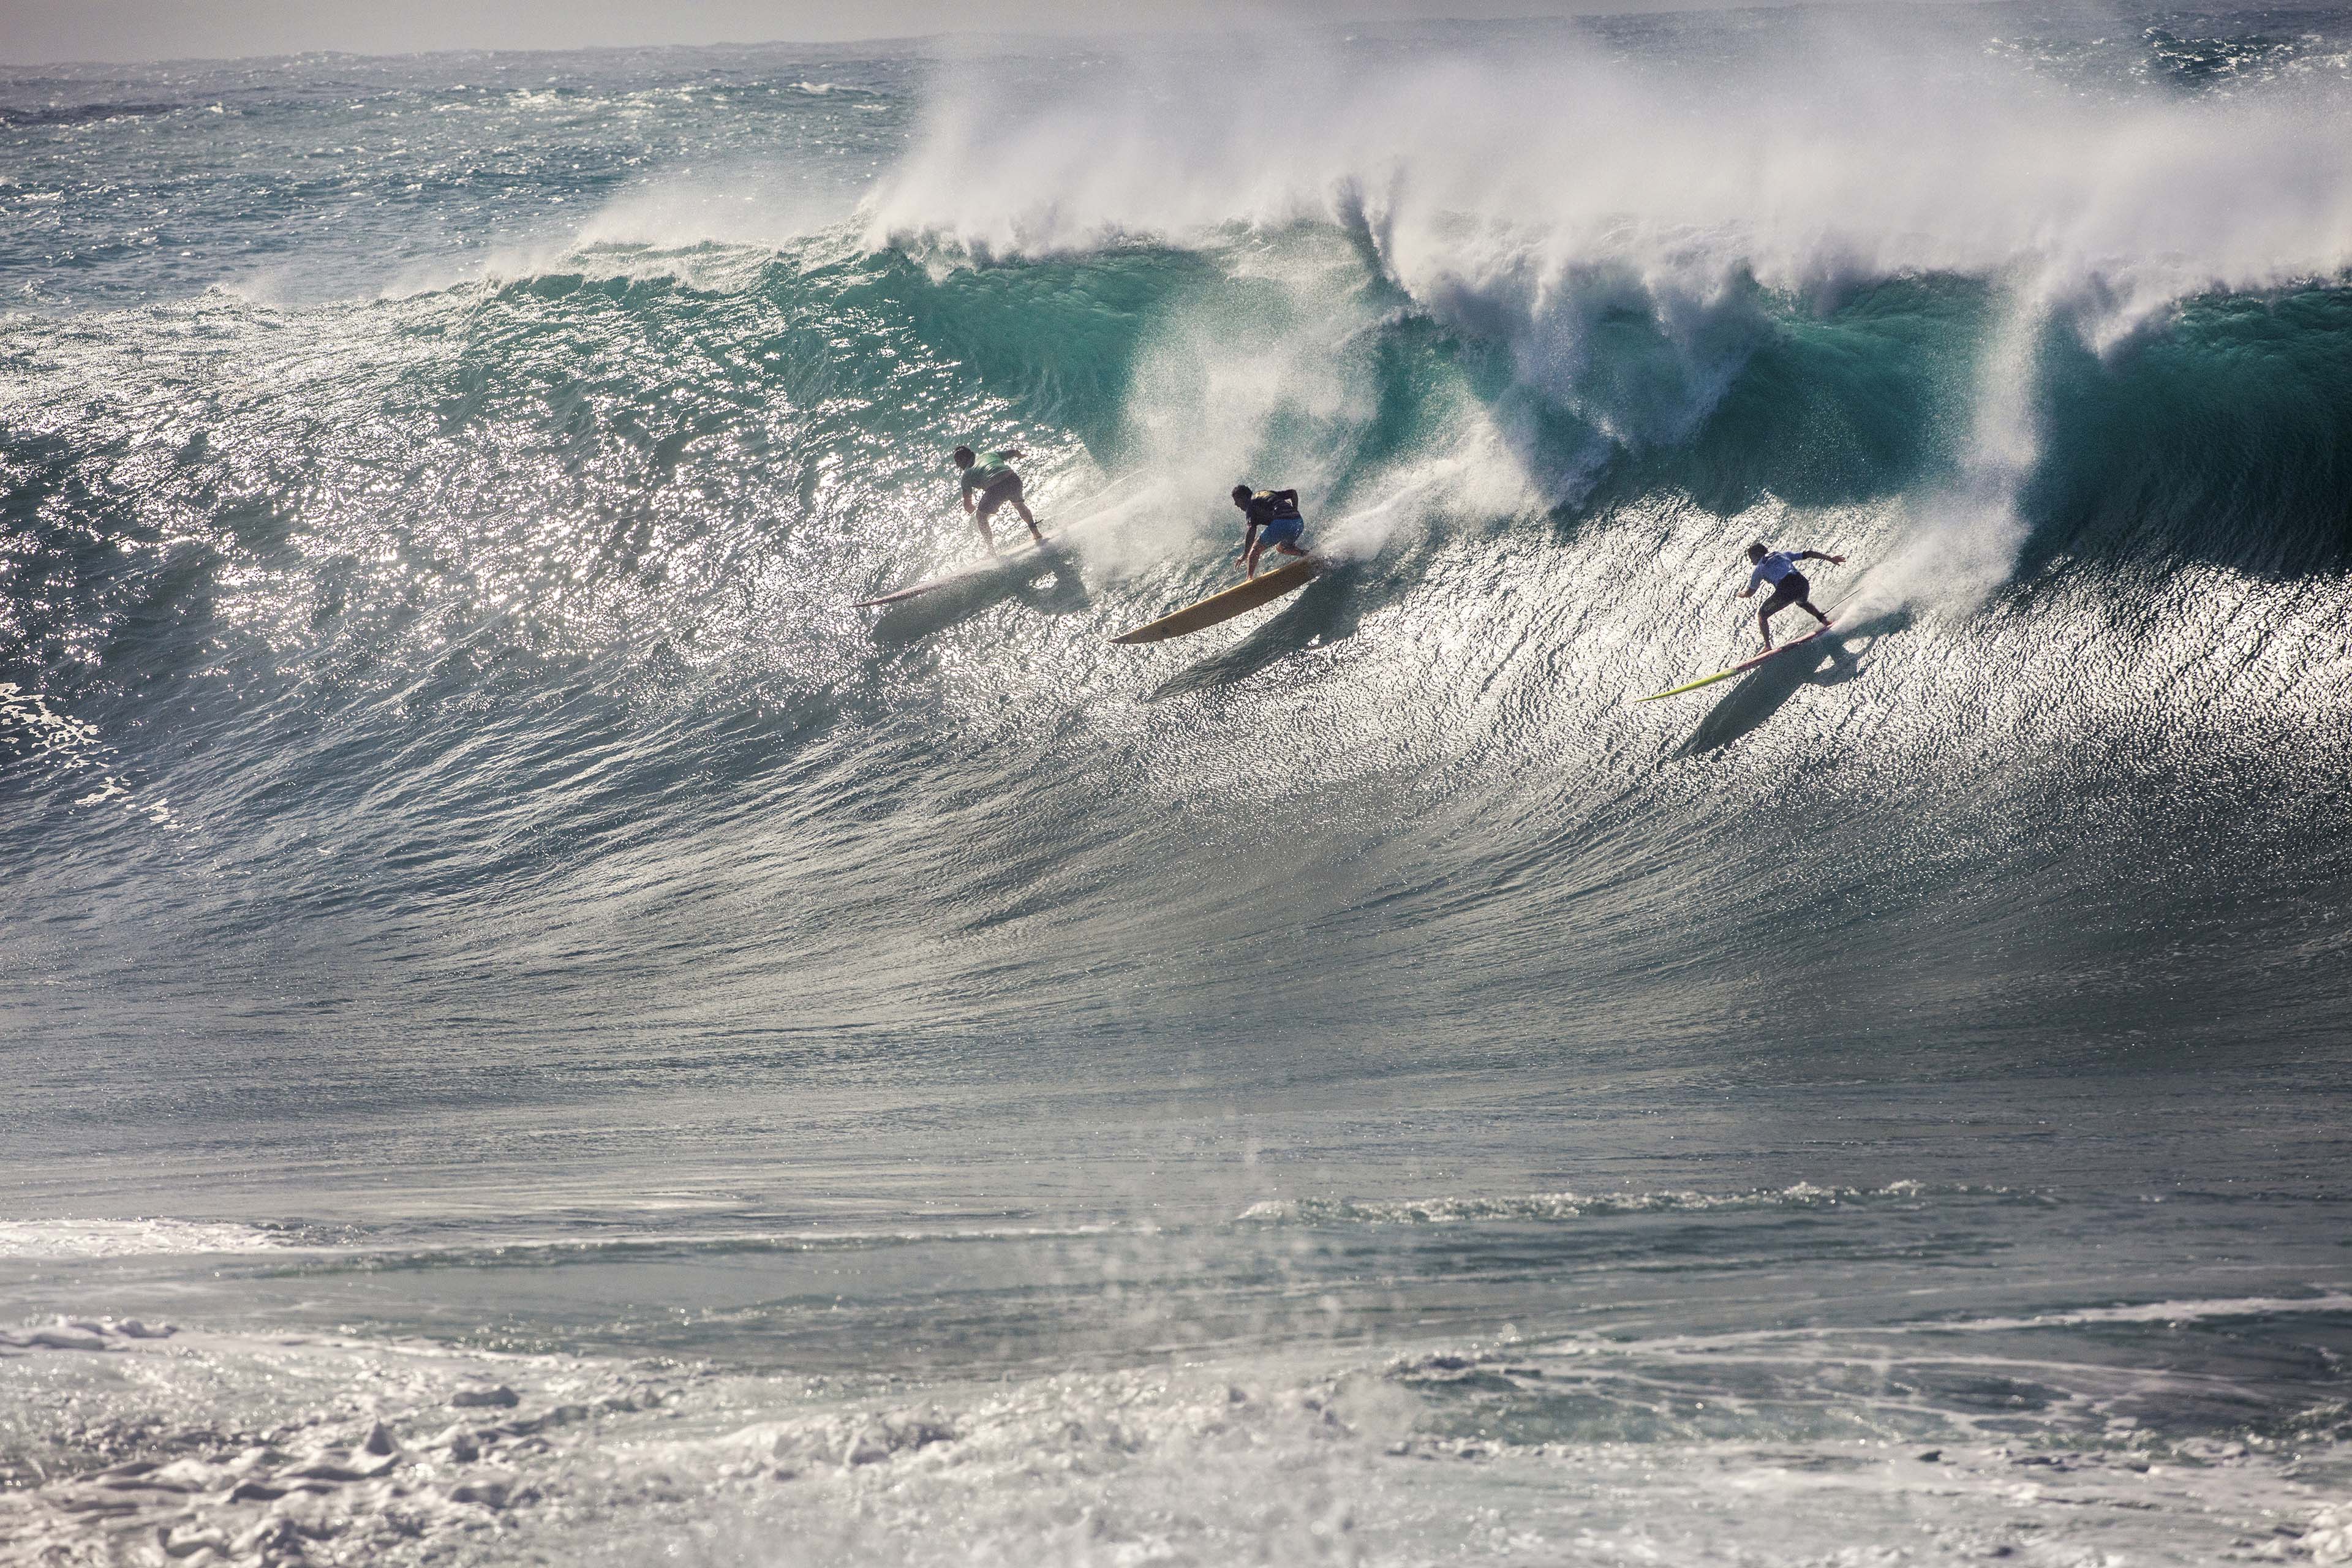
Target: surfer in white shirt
{"x": 1779, "y": 567}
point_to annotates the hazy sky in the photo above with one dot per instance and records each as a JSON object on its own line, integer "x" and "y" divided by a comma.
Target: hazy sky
{"x": 39, "y": 31}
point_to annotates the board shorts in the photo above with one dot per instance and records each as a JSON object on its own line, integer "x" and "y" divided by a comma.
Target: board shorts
{"x": 996, "y": 495}
{"x": 1281, "y": 530}
{"x": 1787, "y": 592}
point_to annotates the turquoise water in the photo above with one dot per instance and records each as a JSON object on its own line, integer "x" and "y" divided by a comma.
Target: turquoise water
{"x": 595, "y": 1047}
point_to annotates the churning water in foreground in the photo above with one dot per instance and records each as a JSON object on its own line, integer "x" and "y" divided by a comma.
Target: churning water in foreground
{"x": 541, "y": 1034}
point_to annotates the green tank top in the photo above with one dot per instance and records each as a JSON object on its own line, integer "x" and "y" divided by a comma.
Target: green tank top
{"x": 986, "y": 471}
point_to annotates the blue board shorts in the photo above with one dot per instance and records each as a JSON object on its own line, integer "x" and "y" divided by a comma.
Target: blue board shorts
{"x": 1281, "y": 530}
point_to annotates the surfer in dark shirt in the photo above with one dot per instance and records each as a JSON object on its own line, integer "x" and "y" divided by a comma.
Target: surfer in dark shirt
{"x": 993, "y": 482}
{"x": 1275, "y": 512}
{"x": 1779, "y": 567}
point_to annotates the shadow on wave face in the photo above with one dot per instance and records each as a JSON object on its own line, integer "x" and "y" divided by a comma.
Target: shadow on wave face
{"x": 1749, "y": 705}
{"x": 902, "y": 625}
{"x": 1326, "y": 611}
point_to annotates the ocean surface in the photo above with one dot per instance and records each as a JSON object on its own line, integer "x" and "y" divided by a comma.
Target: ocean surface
{"x": 538, "y": 1031}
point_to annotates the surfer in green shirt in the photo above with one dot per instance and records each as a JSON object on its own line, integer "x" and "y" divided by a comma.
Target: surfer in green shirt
{"x": 988, "y": 483}
{"x": 1276, "y": 511}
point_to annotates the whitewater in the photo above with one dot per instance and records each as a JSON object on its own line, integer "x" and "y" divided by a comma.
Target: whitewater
{"x": 539, "y": 1032}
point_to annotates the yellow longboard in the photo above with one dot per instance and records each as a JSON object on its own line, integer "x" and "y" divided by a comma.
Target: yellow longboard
{"x": 1742, "y": 668}
{"x": 1262, "y": 589}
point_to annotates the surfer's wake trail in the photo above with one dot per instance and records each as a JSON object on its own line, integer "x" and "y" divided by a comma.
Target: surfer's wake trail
{"x": 490, "y": 913}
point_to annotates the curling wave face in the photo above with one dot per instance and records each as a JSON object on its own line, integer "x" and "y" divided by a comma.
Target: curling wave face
{"x": 518, "y": 606}
{"x": 454, "y": 795}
